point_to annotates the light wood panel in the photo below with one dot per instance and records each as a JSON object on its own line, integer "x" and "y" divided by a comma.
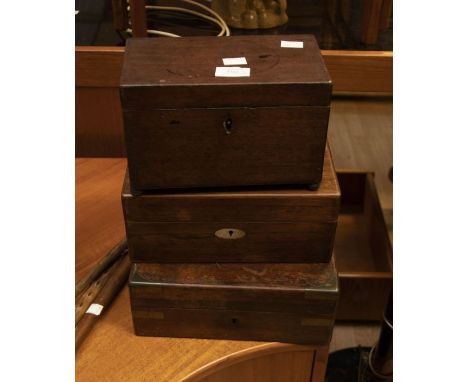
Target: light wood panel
{"x": 360, "y": 71}
{"x": 350, "y": 334}
{"x": 361, "y": 137}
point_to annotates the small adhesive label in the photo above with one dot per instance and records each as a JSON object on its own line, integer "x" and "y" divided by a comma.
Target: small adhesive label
{"x": 292, "y": 44}
{"x": 232, "y": 71}
{"x": 95, "y": 309}
{"x": 235, "y": 61}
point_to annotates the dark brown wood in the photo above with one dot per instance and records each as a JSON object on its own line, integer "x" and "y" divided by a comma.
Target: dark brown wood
{"x": 264, "y": 302}
{"x": 280, "y": 225}
{"x": 363, "y": 250}
{"x": 158, "y": 69}
{"x": 138, "y": 18}
{"x": 186, "y": 128}
{"x": 371, "y": 19}
{"x": 190, "y": 148}
{"x": 120, "y": 14}
{"x": 111, "y": 288}
{"x": 385, "y": 13}
{"x": 99, "y": 125}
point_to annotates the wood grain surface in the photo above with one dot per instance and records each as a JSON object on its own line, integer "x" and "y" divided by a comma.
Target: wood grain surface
{"x": 268, "y": 302}
{"x": 362, "y": 249}
{"x": 156, "y": 75}
{"x": 177, "y": 112}
{"x": 189, "y": 148}
{"x": 112, "y": 352}
{"x": 280, "y": 225}
{"x": 98, "y": 215}
{"x": 99, "y": 123}
{"x": 361, "y": 138}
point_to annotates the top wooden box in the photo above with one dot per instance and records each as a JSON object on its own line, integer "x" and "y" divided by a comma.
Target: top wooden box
{"x": 186, "y": 128}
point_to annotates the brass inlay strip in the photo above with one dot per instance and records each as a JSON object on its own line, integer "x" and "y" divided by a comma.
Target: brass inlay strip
{"x": 155, "y": 315}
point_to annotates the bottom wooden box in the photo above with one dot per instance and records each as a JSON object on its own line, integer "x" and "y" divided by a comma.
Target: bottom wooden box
{"x": 363, "y": 250}
{"x": 258, "y": 302}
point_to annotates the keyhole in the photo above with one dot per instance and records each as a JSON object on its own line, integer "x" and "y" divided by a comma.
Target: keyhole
{"x": 234, "y": 320}
{"x": 228, "y": 125}
{"x": 231, "y": 232}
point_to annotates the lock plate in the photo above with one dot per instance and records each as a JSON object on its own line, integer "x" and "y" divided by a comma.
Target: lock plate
{"x": 229, "y": 233}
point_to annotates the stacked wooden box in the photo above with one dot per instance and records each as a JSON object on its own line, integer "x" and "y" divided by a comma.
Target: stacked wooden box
{"x": 231, "y": 199}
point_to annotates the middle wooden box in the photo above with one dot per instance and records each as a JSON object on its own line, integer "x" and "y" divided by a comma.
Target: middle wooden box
{"x": 261, "y": 225}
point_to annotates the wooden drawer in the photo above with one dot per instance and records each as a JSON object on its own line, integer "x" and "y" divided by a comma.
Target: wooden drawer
{"x": 363, "y": 250}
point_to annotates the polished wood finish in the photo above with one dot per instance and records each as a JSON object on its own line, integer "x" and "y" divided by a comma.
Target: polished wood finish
{"x": 363, "y": 249}
{"x": 360, "y": 71}
{"x": 266, "y": 302}
{"x": 98, "y": 66}
{"x": 99, "y": 124}
{"x": 274, "y": 362}
{"x": 186, "y": 128}
{"x": 98, "y": 216}
{"x": 113, "y": 352}
{"x": 320, "y": 365}
{"x": 280, "y": 225}
{"x": 157, "y": 69}
{"x": 189, "y": 148}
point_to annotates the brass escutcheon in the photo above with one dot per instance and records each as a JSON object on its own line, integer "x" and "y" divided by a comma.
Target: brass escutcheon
{"x": 230, "y": 233}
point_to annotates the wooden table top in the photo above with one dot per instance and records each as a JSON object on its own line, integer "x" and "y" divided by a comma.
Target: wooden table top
{"x": 112, "y": 352}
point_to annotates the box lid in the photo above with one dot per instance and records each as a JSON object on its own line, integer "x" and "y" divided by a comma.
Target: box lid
{"x": 180, "y": 72}
{"x": 236, "y": 286}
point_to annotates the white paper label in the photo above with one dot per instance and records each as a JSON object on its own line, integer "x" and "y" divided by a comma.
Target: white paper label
{"x": 232, "y": 71}
{"x": 235, "y": 61}
{"x": 95, "y": 309}
{"x": 292, "y": 44}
